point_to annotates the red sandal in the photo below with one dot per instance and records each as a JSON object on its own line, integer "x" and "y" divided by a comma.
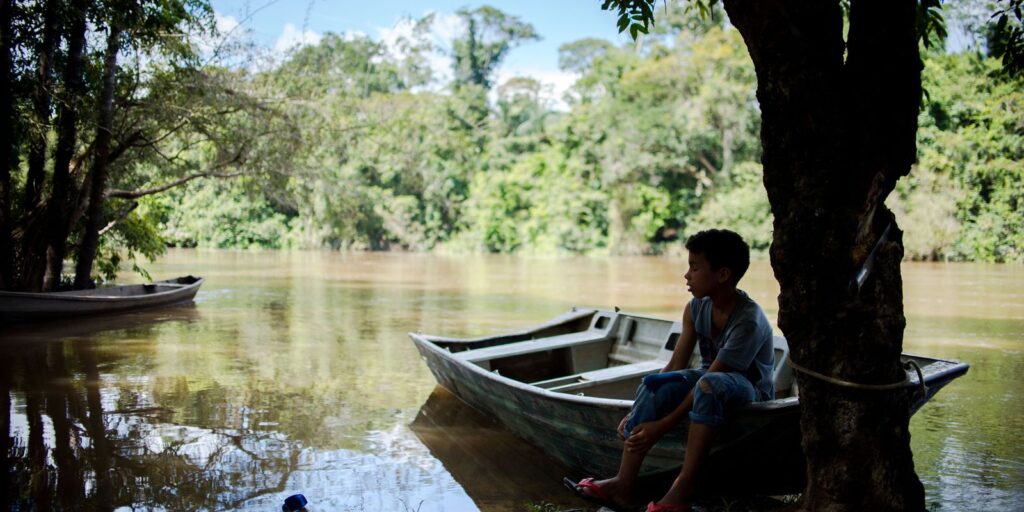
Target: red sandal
{"x": 656, "y": 507}
{"x": 596, "y": 495}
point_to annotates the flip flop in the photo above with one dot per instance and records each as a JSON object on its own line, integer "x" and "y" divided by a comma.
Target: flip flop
{"x": 655, "y": 507}
{"x": 597, "y": 494}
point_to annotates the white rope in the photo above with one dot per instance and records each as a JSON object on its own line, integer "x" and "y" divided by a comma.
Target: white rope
{"x": 907, "y": 382}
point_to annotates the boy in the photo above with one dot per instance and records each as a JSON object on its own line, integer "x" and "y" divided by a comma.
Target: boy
{"x": 737, "y": 359}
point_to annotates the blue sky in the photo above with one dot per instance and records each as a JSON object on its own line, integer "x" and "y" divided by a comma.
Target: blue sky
{"x": 285, "y": 22}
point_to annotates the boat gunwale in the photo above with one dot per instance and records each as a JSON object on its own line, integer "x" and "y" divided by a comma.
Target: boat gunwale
{"x": 69, "y": 296}
{"x": 950, "y": 371}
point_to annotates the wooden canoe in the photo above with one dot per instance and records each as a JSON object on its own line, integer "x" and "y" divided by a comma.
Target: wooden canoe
{"x": 565, "y": 385}
{"x": 24, "y": 307}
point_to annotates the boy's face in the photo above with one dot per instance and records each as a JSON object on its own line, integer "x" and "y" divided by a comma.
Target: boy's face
{"x": 701, "y": 279}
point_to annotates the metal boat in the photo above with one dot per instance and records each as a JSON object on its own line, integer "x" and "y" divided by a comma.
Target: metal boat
{"x": 25, "y": 306}
{"x": 565, "y": 385}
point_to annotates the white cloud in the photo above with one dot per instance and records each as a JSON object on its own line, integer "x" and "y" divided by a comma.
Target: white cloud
{"x": 292, "y": 38}
{"x": 209, "y": 44}
{"x": 556, "y": 83}
{"x": 447, "y": 27}
{"x": 438, "y": 38}
{"x": 224, "y": 23}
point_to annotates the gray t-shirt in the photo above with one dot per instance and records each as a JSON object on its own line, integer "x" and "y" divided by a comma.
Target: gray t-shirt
{"x": 745, "y": 343}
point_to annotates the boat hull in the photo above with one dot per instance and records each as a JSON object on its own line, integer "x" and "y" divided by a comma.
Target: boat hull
{"x": 16, "y": 307}
{"x": 581, "y": 432}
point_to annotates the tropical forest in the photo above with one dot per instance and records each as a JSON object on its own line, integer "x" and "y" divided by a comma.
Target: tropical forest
{"x": 354, "y": 144}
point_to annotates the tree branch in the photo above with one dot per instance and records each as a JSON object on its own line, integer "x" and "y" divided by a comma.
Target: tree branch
{"x": 135, "y": 194}
{"x": 121, "y": 216}
{"x": 125, "y": 145}
{"x": 707, "y": 164}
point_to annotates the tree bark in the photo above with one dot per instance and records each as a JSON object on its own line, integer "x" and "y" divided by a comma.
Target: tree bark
{"x": 98, "y": 174}
{"x": 8, "y": 142}
{"x": 57, "y": 227}
{"x": 836, "y": 136}
{"x": 41, "y": 103}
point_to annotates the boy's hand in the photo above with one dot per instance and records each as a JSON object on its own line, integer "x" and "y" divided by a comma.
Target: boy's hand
{"x": 622, "y": 426}
{"x": 644, "y": 435}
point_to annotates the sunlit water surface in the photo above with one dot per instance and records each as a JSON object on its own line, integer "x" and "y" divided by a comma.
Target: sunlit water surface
{"x": 293, "y": 373}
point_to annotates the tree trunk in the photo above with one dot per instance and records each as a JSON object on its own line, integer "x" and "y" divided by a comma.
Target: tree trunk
{"x": 836, "y": 136}
{"x": 57, "y": 227}
{"x": 8, "y": 142}
{"x": 98, "y": 174}
{"x": 41, "y": 101}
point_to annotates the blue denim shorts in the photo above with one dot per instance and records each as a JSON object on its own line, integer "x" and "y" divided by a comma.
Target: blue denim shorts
{"x": 713, "y": 393}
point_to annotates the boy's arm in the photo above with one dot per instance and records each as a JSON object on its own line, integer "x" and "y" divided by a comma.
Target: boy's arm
{"x": 680, "y": 355}
{"x": 684, "y": 347}
{"x": 645, "y": 435}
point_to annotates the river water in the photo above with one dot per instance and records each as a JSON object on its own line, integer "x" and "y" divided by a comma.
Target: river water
{"x": 292, "y": 372}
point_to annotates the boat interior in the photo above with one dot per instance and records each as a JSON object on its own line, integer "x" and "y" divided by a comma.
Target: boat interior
{"x": 596, "y": 353}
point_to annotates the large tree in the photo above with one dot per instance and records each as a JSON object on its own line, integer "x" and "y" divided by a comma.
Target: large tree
{"x": 839, "y": 118}
{"x": 119, "y": 88}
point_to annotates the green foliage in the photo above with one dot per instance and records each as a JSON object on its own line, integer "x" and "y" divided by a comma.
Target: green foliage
{"x": 1006, "y": 36}
{"x": 543, "y": 506}
{"x": 637, "y": 16}
{"x": 931, "y": 26}
{"x": 542, "y": 203}
{"x": 490, "y": 34}
{"x": 136, "y": 235}
{"x": 219, "y": 215}
{"x": 383, "y": 167}
{"x": 658, "y": 142}
{"x": 963, "y": 200}
{"x": 741, "y": 205}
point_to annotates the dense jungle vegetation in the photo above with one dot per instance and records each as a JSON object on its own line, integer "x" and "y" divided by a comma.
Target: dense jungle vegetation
{"x": 658, "y": 141}
{"x": 186, "y": 138}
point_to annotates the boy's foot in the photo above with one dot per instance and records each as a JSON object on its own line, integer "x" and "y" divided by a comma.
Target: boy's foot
{"x": 589, "y": 490}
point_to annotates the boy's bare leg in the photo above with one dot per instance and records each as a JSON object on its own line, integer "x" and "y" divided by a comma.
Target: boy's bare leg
{"x": 620, "y": 486}
{"x": 698, "y": 444}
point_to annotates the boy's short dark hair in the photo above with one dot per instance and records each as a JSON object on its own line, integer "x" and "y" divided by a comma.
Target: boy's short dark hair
{"x": 722, "y": 248}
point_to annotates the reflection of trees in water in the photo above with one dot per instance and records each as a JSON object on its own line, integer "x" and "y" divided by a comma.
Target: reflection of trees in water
{"x": 71, "y": 444}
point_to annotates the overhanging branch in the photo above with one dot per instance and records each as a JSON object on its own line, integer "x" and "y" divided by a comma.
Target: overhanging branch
{"x": 213, "y": 173}
{"x": 121, "y": 216}
{"x": 135, "y": 194}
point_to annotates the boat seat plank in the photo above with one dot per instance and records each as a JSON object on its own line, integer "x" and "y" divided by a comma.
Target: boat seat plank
{"x": 609, "y": 375}
{"x": 624, "y": 371}
{"x": 530, "y": 346}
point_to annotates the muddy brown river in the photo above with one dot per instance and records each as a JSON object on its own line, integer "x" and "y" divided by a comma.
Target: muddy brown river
{"x": 292, "y": 372}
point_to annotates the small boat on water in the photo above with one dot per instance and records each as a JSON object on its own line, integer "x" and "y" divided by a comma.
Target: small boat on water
{"x": 564, "y": 385}
{"x": 25, "y": 306}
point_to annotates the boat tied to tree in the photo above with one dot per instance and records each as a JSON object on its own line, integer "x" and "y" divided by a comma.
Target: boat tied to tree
{"x": 565, "y": 385}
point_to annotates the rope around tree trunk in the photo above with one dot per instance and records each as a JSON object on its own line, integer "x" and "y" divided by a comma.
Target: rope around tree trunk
{"x": 907, "y": 382}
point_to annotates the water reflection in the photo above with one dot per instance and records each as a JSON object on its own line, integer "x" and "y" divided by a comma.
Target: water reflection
{"x": 80, "y": 437}
{"x": 293, "y": 373}
{"x": 497, "y": 469}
